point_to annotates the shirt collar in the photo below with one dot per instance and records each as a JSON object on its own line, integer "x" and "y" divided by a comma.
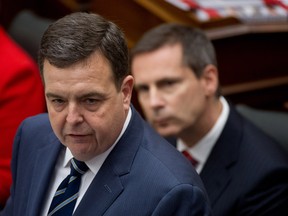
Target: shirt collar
{"x": 201, "y": 150}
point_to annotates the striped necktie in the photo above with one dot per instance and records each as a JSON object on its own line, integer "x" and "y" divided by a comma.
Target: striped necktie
{"x": 64, "y": 200}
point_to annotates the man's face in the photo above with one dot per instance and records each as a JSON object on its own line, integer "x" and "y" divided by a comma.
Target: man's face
{"x": 86, "y": 111}
{"x": 171, "y": 96}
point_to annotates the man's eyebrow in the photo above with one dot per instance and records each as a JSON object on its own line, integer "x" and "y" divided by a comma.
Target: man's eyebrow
{"x": 168, "y": 79}
{"x": 92, "y": 94}
{"x": 49, "y": 95}
{"x": 139, "y": 85}
{"x": 159, "y": 82}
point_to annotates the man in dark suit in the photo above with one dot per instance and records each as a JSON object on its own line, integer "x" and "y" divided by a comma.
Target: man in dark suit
{"x": 176, "y": 78}
{"x": 119, "y": 164}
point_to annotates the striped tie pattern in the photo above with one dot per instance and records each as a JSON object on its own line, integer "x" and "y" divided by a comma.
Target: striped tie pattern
{"x": 64, "y": 200}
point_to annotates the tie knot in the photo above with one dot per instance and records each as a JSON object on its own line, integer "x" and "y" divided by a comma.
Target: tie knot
{"x": 78, "y": 168}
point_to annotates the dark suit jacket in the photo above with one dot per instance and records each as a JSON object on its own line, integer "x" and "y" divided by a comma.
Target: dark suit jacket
{"x": 246, "y": 172}
{"x": 143, "y": 175}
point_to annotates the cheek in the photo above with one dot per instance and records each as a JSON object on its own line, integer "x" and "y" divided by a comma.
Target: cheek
{"x": 57, "y": 122}
{"x": 106, "y": 121}
{"x": 179, "y": 99}
{"x": 193, "y": 93}
{"x": 188, "y": 101}
{"x": 144, "y": 103}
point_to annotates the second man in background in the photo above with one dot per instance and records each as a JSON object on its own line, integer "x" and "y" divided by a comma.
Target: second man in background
{"x": 176, "y": 78}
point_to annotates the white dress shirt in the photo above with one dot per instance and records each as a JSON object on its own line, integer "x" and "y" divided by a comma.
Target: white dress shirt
{"x": 62, "y": 170}
{"x": 201, "y": 150}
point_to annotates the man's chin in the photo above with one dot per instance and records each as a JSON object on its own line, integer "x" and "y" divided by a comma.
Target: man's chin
{"x": 166, "y": 132}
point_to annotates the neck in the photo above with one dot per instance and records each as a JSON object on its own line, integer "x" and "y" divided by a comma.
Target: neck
{"x": 193, "y": 134}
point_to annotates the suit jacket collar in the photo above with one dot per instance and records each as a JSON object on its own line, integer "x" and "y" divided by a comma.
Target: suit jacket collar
{"x": 107, "y": 183}
{"x": 224, "y": 155}
{"x": 216, "y": 172}
{"x": 44, "y": 167}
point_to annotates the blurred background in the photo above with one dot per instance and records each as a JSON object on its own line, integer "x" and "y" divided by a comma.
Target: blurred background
{"x": 250, "y": 37}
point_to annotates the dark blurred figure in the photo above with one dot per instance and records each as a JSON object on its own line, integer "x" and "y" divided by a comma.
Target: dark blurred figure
{"x": 51, "y": 9}
{"x": 26, "y": 21}
{"x": 27, "y": 29}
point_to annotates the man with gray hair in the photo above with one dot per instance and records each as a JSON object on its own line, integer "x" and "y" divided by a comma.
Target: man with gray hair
{"x": 176, "y": 77}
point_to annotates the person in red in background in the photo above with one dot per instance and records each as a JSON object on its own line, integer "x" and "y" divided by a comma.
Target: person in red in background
{"x": 21, "y": 95}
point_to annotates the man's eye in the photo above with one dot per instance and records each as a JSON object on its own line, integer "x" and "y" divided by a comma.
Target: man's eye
{"x": 91, "y": 101}
{"x": 58, "y": 101}
{"x": 168, "y": 83}
{"x": 142, "y": 89}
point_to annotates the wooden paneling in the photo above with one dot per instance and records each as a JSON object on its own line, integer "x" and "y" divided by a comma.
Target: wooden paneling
{"x": 129, "y": 15}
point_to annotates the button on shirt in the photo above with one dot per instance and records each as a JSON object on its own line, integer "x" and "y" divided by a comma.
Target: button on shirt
{"x": 201, "y": 150}
{"x": 62, "y": 169}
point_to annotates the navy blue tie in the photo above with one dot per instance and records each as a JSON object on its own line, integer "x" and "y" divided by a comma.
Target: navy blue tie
{"x": 64, "y": 200}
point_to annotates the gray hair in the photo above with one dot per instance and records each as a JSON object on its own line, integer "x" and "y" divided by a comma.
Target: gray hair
{"x": 198, "y": 50}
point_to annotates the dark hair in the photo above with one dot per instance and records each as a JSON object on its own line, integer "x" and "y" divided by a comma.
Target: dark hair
{"x": 198, "y": 50}
{"x": 75, "y": 37}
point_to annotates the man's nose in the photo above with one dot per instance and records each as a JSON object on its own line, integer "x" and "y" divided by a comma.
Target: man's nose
{"x": 74, "y": 115}
{"x": 156, "y": 99}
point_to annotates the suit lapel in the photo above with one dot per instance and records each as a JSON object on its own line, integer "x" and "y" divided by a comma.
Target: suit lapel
{"x": 43, "y": 169}
{"x": 216, "y": 172}
{"x": 102, "y": 192}
{"x": 107, "y": 184}
{"x": 215, "y": 178}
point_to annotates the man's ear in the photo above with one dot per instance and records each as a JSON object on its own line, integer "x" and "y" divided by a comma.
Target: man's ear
{"x": 126, "y": 89}
{"x": 210, "y": 79}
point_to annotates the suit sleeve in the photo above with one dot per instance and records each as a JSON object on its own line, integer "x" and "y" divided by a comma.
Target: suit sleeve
{"x": 183, "y": 200}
